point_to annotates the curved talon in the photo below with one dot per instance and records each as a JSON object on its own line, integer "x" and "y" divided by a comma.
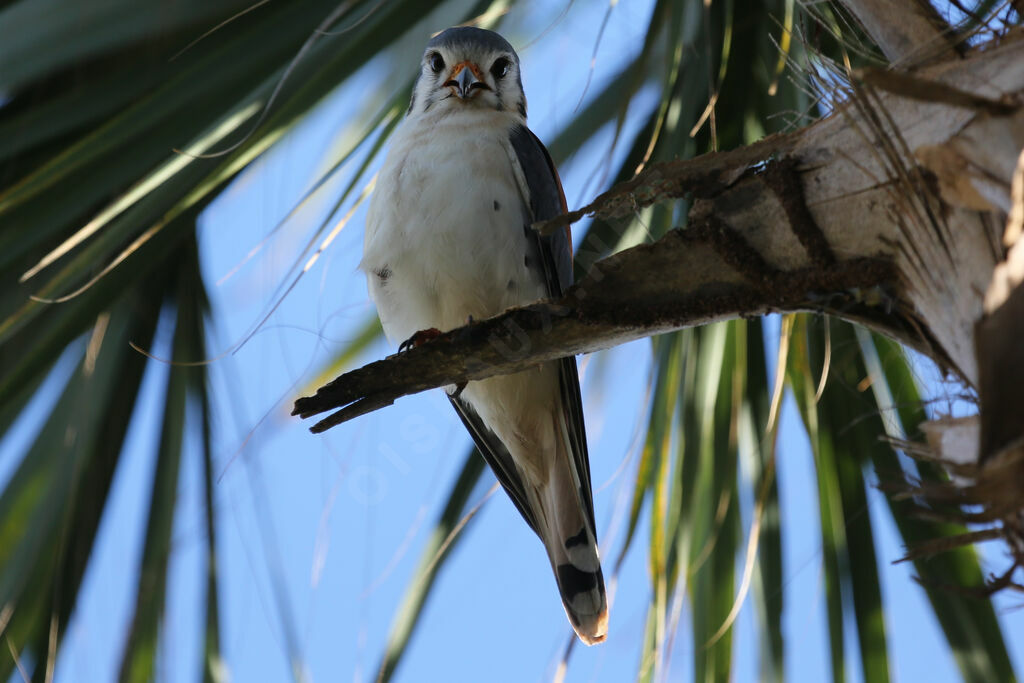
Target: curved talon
{"x": 419, "y": 339}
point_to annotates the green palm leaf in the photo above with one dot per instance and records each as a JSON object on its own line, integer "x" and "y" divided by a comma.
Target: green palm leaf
{"x": 121, "y": 121}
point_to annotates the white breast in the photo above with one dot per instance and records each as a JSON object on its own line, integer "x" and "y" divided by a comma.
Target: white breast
{"x": 445, "y": 233}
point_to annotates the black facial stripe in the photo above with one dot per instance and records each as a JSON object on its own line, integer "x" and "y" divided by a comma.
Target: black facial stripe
{"x": 481, "y": 47}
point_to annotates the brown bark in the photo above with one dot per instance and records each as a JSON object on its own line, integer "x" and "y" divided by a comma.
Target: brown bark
{"x": 890, "y": 212}
{"x": 908, "y": 32}
{"x": 689, "y": 277}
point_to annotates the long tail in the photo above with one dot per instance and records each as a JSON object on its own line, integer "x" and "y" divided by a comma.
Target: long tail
{"x": 571, "y": 543}
{"x": 547, "y": 477}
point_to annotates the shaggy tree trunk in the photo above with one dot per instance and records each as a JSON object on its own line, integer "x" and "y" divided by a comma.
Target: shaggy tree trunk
{"x": 891, "y": 212}
{"x": 908, "y": 32}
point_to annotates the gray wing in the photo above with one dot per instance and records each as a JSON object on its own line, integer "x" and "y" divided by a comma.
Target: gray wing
{"x": 555, "y": 253}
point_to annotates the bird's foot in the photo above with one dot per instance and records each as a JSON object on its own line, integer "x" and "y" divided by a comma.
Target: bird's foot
{"x": 419, "y": 339}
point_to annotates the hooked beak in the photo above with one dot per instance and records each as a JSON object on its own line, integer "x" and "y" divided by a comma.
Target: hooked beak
{"x": 464, "y": 81}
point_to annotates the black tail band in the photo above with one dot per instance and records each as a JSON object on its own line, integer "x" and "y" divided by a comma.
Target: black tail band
{"x": 573, "y": 580}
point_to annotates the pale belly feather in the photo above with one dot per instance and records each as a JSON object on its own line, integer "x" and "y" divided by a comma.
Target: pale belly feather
{"x": 446, "y": 243}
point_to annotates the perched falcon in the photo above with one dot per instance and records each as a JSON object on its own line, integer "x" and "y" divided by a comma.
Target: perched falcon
{"x": 448, "y": 239}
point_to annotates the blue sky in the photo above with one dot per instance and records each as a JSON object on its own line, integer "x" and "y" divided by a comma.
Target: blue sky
{"x": 320, "y": 534}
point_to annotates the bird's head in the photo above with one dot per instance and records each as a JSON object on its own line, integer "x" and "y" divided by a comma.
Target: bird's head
{"x": 469, "y": 67}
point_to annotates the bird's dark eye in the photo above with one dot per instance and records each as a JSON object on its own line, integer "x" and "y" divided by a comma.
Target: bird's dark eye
{"x": 500, "y": 67}
{"x": 436, "y": 62}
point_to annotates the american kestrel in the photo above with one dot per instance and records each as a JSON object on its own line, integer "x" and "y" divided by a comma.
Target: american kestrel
{"x": 449, "y": 239}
